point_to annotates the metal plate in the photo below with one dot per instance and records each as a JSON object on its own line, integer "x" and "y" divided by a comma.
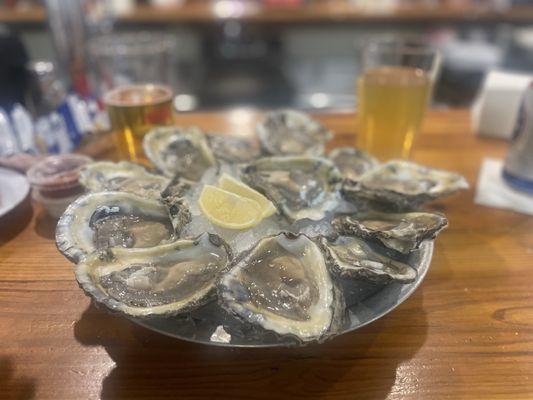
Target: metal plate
{"x": 365, "y": 302}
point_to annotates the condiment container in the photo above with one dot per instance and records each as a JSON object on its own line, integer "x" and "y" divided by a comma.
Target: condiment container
{"x": 55, "y": 181}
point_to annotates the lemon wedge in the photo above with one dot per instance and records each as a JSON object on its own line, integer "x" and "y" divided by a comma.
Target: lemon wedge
{"x": 229, "y": 183}
{"x": 229, "y": 210}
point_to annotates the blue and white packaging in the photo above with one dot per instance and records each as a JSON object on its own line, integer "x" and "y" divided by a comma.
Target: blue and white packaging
{"x": 59, "y": 126}
{"x": 8, "y": 141}
{"x": 23, "y": 126}
{"x": 47, "y": 137}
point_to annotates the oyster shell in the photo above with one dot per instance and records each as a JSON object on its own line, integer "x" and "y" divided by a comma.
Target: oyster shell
{"x": 108, "y": 219}
{"x": 123, "y": 176}
{"x": 289, "y": 132}
{"x": 179, "y": 151}
{"x": 403, "y": 185}
{"x": 301, "y": 187}
{"x": 352, "y": 163}
{"x": 232, "y": 149}
{"x": 283, "y": 285}
{"x": 403, "y": 232}
{"x": 353, "y": 258}
{"x": 164, "y": 280}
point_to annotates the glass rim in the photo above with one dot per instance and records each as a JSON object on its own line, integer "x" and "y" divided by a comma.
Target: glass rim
{"x": 131, "y": 43}
{"x": 393, "y": 46}
{"x": 109, "y": 99}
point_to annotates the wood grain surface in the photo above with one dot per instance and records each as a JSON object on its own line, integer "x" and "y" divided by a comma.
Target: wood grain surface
{"x": 466, "y": 333}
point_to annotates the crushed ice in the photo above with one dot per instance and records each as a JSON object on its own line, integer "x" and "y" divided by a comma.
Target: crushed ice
{"x": 220, "y": 335}
{"x": 241, "y": 240}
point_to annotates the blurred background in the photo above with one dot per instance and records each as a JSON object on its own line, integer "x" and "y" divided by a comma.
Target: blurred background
{"x": 269, "y": 53}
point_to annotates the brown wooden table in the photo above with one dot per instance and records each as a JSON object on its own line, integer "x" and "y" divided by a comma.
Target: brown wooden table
{"x": 467, "y": 332}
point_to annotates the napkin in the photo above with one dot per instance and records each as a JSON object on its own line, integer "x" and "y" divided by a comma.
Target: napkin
{"x": 492, "y": 190}
{"x": 496, "y": 108}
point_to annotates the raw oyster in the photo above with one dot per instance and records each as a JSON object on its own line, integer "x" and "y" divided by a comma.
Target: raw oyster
{"x": 107, "y": 219}
{"x": 232, "y": 149}
{"x": 164, "y": 280}
{"x": 301, "y": 187}
{"x": 283, "y": 285}
{"x": 289, "y": 133}
{"x": 179, "y": 151}
{"x": 352, "y": 163}
{"x": 401, "y": 232}
{"x": 353, "y": 258}
{"x": 402, "y": 185}
{"x": 123, "y": 177}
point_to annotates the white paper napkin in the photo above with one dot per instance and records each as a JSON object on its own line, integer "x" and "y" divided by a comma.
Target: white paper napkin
{"x": 492, "y": 191}
{"x": 495, "y": 110}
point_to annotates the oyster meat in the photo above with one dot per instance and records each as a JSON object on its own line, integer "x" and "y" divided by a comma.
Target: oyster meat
{"x": 301, "y": 187}
{"x": 123, "y": 176}
{"x": 352, "y": 163}
{"x": 403, "y": 232}
{"x": 353, "y": 258}
{"x": 289, "y": 132}
{"x": 283, "y": 285}
{"x": 402, "y": 185}
{"x": 108, "y": 219}
{"x": 164, "y": 280}
{"x": 232, "y": 149}
{"x": 179, "y": 151}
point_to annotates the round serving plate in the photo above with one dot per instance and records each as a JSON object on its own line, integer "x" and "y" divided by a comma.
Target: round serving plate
{"x": 14, "y": 188}
{"x": 365, "y": 303}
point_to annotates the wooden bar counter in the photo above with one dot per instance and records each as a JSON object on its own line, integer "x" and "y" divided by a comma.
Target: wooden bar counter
{"x": 466, "y": 333}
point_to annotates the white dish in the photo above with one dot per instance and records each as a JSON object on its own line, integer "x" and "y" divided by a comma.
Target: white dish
{"x": 14, "y": 188}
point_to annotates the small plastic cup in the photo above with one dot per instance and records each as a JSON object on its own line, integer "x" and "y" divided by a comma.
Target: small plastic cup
{"x": 55, "y": 181}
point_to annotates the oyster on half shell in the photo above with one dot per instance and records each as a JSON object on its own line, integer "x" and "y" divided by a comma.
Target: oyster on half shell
{"x": 403, "y": 232}
{"x": 352, "y": 163}
{"x": 283, "y": 285}
{"x": 292, "y": 133}
{"x": 123, "y": 176}
{"x": 179, "y": 151}
{"x": 301, "y": 187}
{"x": 164, "y": 280}
{"x": 402, "y": 185}
{"x": 232, "y": 149}
{"x": 351, "y": 257}
{"x": 108, "y": 219}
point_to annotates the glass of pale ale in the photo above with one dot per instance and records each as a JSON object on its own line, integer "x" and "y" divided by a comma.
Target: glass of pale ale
{"x": 134, "y": 110}
{"x": 393, "y": 93}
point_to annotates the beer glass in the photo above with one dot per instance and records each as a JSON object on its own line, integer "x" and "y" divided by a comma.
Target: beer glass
{"x": 131, "y": 58}
{"x": 393, "y": 93}
{"x": 134, "y": 110}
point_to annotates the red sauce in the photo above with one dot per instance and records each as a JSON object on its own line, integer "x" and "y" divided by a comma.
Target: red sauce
{"x": 57, "y": 176}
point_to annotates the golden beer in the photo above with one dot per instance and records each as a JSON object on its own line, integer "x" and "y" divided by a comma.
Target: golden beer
{"x": 392, "y": 104}
{"x": 133, "y": 111}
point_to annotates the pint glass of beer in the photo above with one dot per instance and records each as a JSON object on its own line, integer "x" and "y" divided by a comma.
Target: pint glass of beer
{"x": 393, "y": 93}
{"x": 133, "y": 111}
